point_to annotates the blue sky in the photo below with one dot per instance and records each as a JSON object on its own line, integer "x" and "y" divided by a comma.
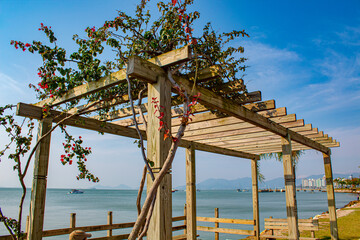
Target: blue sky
{"x": 303, "y": 54}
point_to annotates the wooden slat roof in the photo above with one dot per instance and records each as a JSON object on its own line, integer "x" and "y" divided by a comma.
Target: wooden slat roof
{"x": 243, "y": 130}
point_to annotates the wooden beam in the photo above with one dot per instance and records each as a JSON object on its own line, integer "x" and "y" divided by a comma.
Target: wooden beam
{"x": 276, "y": 143}
{"x": 190, "y": 194}
{"x": 157, "y": 150}
{"x": 266, "y": 108}
{"x": 255, "y": 198}
{"x": 290, "y": 189}
{"x": 166, "y": 59}
{"x": 38, "y": 191}
{"x": 31, "y": 111}
{"x": 331, "y": 197}
{"x": 233, "y": 86}
{"x": 248, "y": 98}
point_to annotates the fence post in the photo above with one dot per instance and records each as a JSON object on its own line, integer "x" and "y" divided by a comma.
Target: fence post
{"x": 109, "y": 222}
{"x": 216, "y": 224}
{"x": 185, "y": 232}
{"x": 72, "y": 220}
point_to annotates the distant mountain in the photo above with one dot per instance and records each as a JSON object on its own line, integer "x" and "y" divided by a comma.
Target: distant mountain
{"x": 245, "y": 183}
{"x": 120, "y": 186}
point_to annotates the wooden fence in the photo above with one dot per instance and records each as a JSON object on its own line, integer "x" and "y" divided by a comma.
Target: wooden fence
{"x": 106, "y": 227}
{"x": 216, "y": 220}
{"x": 110, "y": 226}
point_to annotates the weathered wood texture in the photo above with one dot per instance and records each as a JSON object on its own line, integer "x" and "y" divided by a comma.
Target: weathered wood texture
{"x": 255, "y": 198}
{"x": 157, "y": 151}
{"x": 226, "y": 230}
{"x": 272, "y": 224}
{"x": 27, "y": 110}
{"x": 216, "y": 213}
{"x": 331, "y": 197}
{"x": 290, "y": 189}
{"x": 38, "y": 191}
{"x": 190, "y": 194}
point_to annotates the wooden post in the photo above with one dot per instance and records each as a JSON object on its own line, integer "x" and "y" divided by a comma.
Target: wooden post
{"x": 185, "y": 219}
{"x": 255, "y": 198}
{"x": 190, "y": 193}
{"x": 331, "y": 197}
{"x": 38, "y": 191}
{"x": 72, "y": 220}
{"x": 290, "y": 190}
{"x": 109, "y": 222}
{"x": 27, "y": 223}
{"x": 160, "y": 227}
{"x": 216, "y": 224}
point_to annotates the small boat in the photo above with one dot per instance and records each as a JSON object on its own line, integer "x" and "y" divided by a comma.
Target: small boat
{"x": 75, "y": 191}
{"x": 238, "y": 190}
{"x": 174, "y": 190}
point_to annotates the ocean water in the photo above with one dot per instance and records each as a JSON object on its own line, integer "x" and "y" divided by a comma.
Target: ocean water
{"x": 91, "y": 207}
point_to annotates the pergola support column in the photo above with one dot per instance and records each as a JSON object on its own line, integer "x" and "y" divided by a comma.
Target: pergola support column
{"x": 190, "y": 194}
{"x": 38, "y": 191}
{"x": 290, "y": 188}
{"x": 331, "y": 197}
{"x": 255, "y": 197}
{"x": 160, "y": 227}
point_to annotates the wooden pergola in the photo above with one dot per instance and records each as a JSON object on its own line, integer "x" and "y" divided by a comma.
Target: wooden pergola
{"x": 246, "y": 128}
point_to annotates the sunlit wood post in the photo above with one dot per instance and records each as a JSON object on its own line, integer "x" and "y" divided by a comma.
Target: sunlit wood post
{"x": 255, "y": 198}
{"x": 160, "y": 227}
{"x": 216, "y": 223}
{"x": 190, "y": 194}
{"x": 72, "y": 220}
{"x": 109, "y": 222}
{"x": 38, "y": 191}
{"x": 290, "y": 188}
{"x": 330, "y": 197}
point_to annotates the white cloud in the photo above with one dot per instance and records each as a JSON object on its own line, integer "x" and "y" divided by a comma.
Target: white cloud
{"x": 9, "y": 84}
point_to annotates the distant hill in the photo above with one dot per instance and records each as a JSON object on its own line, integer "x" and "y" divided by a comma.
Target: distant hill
{"x": 245, "y": 183}
{"x": 120, "y": 186}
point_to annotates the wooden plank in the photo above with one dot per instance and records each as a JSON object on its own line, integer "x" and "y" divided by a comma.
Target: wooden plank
{"x": 233, "y": 130}
{"x": 248, "y": 98}
{"x": 331, "y": 197}
{"x": 166, "y": 59}
{"x": 225, "y": 220}
{"x": 276, "y": 143}
{"x": 290, "y": 189}
{"x": 27, "y": 110}
{"x": 278, "y": 148}
{"x": 205, "y": 74}
{"x": 160, "y": 226}
{"x": 190, "y": 194}
{"x": 233, "y": 86}
{"x": 255, "y": 198}
{"x": 213, "y": 101}
{"x": 38, "y": 191}
{"x": 234, "y": 140}
{"x": 216, "y": 213}
{"x": 265, "y": 108}
{"x": 180, "y": 218}
{"x": 226, "y": 230}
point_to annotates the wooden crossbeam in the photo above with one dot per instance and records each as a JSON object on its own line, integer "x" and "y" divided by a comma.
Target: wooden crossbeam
{"x": 253, "y": 137}
{"x": 296, "y": 147}
{"x": 202, "y": 76}
{"x": 232, "y": 131}
{"x": 166, "y": 59}
{"x": 268, "y": 105}
{"x": 276, "y": 143}
{"x": 229, "y": 122}
{"x": 248, "y": 98}
{"x": 213, "y": 101}
{"x": 233, "y": 86}
{"x": 235, "y": 139}
{"x": 31, "y": 111}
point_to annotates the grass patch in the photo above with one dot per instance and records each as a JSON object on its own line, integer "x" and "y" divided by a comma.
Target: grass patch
{"x": 348, "y": 226}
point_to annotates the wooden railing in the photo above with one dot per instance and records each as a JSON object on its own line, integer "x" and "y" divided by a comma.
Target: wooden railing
{"x": 216, "y": 220}
{"x": 109, "y": 227}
